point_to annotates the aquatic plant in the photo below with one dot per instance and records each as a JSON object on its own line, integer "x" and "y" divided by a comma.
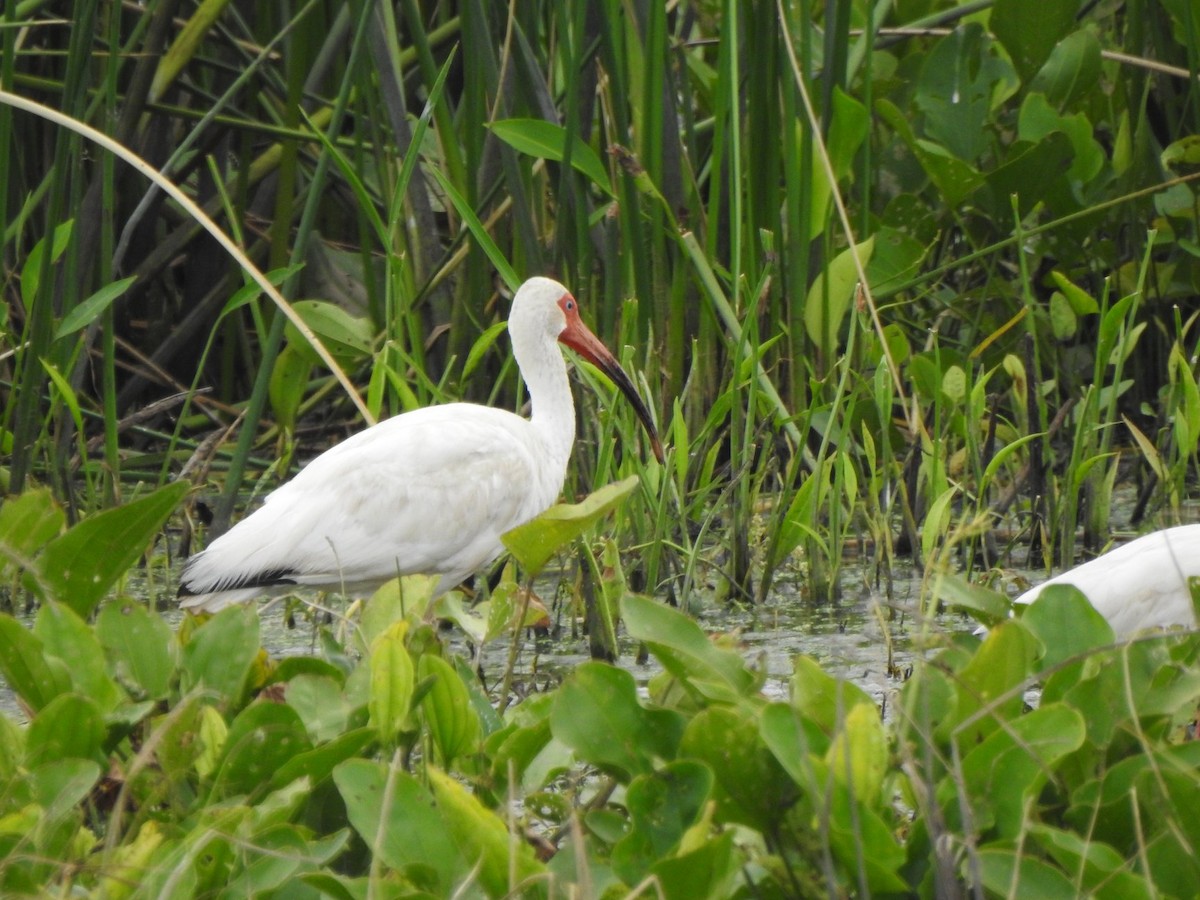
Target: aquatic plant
{"x": 187, "y": 763}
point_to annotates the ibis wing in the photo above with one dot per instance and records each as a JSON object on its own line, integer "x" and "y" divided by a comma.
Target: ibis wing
{"x": 429, "y": 491}
{"x": 1139, "y": 585}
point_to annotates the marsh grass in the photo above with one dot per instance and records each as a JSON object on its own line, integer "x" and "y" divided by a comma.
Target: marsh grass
{"x": 917, "y": 277}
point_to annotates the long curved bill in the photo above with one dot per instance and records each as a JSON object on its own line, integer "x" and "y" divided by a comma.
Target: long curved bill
{"x": 579, "y": 338}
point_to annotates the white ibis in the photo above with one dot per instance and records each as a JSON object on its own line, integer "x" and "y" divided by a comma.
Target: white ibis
{"x": 429, "y": 491}
{"x": 1139, "y": 585}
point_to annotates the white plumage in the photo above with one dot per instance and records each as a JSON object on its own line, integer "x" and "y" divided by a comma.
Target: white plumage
{"x": 1139, "y": 585}
{"x": 429, "y": 491}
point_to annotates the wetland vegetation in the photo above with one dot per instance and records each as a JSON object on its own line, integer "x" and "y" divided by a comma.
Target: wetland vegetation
{"x": 915, "y": 278}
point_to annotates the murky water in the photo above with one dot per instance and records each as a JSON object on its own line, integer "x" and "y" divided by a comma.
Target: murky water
{"x": 862, "y": 637}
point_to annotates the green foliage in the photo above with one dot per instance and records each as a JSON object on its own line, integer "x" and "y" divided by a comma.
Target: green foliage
{"x": 713, "y": 162}
{"x": 709, "y": 783}
{"x": 186, "y": 763}
{"x": 1024, "y": 202}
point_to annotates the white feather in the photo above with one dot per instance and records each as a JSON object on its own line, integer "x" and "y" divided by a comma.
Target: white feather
{"x": 1139, "y": 585}
{"x": 429, "y": 491}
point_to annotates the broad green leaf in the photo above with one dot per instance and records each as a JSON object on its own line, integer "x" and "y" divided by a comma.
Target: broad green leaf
{"x": 1150, "y": 453}
{"x": 536, "y": 541}
{"x": 1030, "y": 30}
{"x": 129, "y": 862}
{"x": 64, "y": 635}
{"x": 863, "y": 842}
{"x": 58, "y": 785}
{"x": 1082, "y": 303}
{"x": 797, "y": 743}
{"x": 822, "y": 698}
{"x": 983, "y": 603}
{"x": 196, "y": 863}
{"x": 70, "y": 725}
{"x": 1033, "y": 173}
{"x": 320, "y": 703}
{"x": 797, "y": 523}
{"x": 603, "y": 606}
{"x": 961, "y": 80}
{"x": 263, "y": 738}
{"x": 289, "y": 381}
{"x": 392, "y": 682}
{"x": 316, "y": 764}
{"x": 1006, "y": 452}
{"x": 140, "y": 646}
{"x": 81, "y": 566}
{"x": 345, "y": 336}
{"x": 1112, "y": 323}
{"x": 954, "y": 178}
{"x": 597, "y": 714}
{"x": 1072, "y": 69}
{"x": 532, "y": 752}
{"x": 708, "y": 872}
{"x": 91, "y": 308}
{"x": 291, "y": 666}
{"x": 546, "y": 140}
{"x": 1037, "y": 119}
{"x": 448, "y": 712}
{"x": 27, "y": 523}
{"x": 33, "y": 676}
{"x": 1166, "y": 803}
{"x": 858, "y": 756}
{"x": 929, "y": 699}
{"x": 1005, "y": 774}
{"x": 501, "y": 610}
{"x": 1013, "y": 873}
{"x": 1066, "y": 624}
{"x": 830, "y": 295}
{"x": 989, "y": 686}
{"x": 752, "y": 786}
{"x": 685, "y": 650}
{"x": 503, "y": 864}
{"x": 409, "y": 598}
{"x": 1187, "y": 408}
{"x": 1063, "y": 321}
{"x": 662, "y": 806}
{"x": 1184, "y": 152}
{"x": 450, "y": 608}
{"x": 954, "y": 383}
{"x": 1101, "y": 868}
{"x": 895, "y": 262}
{"x": 209, "y": 739}
{"x": 280, "y": 855}
{"x": 12, "y": 748}
{"x": 177, "y": 737}
{"x": 221, "y": 653}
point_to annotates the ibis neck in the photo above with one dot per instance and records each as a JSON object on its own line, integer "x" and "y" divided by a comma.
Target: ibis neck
{"x": 553, "y": 416}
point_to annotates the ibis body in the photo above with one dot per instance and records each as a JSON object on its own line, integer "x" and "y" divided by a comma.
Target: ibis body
{"x": 1140, "y": 585}
{"x": 429, "y": 491}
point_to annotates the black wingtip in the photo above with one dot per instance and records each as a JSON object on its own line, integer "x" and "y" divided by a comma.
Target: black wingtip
{"x": 265, "y": 579}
